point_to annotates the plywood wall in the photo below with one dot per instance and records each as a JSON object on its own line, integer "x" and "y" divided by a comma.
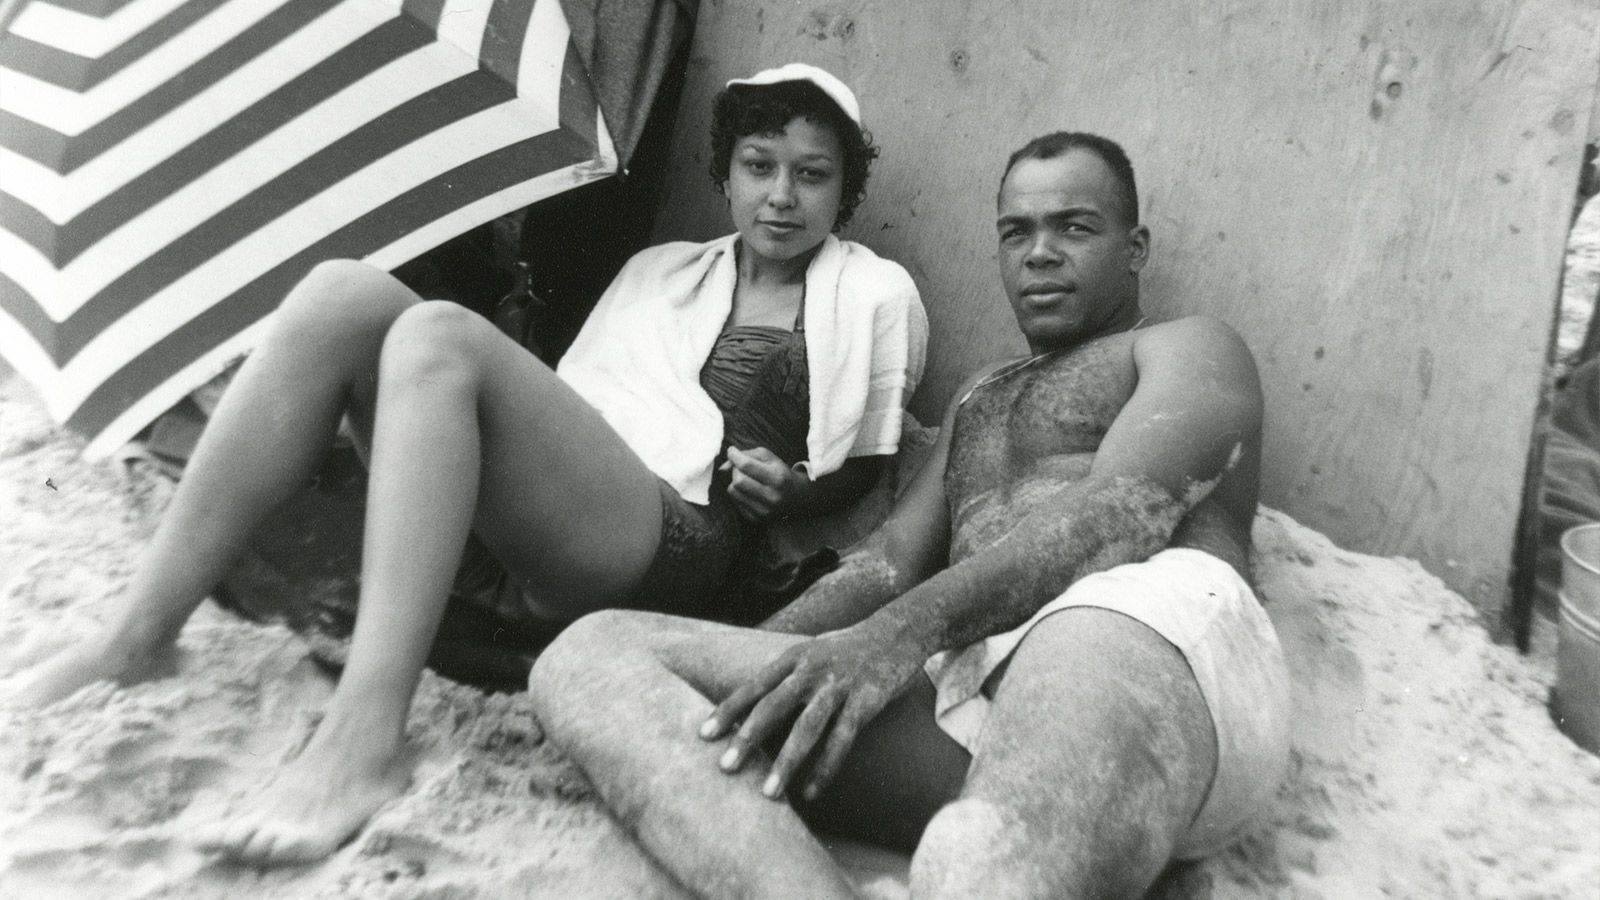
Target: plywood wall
{"x": 1375, "y": 194}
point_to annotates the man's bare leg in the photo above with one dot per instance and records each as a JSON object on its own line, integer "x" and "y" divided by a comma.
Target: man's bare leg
{"x": 460, "y": 407}
{"x": 1096, "y": 756}
{"x": 625, "y": 693}
{"x": 274, "y": 424}
{"x": 900, "y": 772}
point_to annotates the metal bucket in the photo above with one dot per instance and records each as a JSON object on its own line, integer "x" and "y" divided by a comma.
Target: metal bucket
{"x": 1576, "y": 703}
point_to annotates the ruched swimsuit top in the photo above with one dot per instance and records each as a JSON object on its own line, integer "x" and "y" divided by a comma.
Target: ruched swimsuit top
{"x": 759, "y": 379}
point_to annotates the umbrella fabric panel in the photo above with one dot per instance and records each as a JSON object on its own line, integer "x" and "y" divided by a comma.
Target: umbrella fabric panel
{"x": 151, "y": 222}
{"x": 627, "y": 48}
{"x": 44, "y": 33}
{"x": 66, "y": 214}
{"x": 205, "y": 57}
{"x": 136, "y": 385}
{"x": 99, "y": 8}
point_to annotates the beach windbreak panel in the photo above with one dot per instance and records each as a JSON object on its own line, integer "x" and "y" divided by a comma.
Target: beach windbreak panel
{"x": 170, "y": 168}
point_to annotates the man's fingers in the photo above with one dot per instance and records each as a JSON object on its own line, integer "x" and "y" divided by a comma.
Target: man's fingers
{"x": 840, "y": 740}
{"x": 734, "y": 707}
{"x": 802, "y": 738}
{"x": 770, "y": 713}
{"x": 729, "y": 711}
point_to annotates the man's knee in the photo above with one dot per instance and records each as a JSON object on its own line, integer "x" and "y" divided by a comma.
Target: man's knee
{"x": 569, "y": 666}
{"x": 976, "y": 847}
{"x": 980, "y": 847}
{"x": 959, "y": 847}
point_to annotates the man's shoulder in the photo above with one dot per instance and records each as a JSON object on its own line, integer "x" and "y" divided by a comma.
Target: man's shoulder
{"x": 1199, "y": 326}
{"x": 1185, "y": 339}
{"x": 1197, "y": 355}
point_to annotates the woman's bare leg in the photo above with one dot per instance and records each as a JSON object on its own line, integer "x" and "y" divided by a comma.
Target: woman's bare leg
{"x": 274, "y": 424}
{"x": 624, "y": 693}
{"x": 471, "y": 431}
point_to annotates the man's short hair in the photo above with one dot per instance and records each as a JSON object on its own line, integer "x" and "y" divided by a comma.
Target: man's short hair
{"x": 1050, "y": 146}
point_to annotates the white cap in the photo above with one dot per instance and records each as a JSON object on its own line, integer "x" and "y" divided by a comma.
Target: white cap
{"x": 830, "y": 85}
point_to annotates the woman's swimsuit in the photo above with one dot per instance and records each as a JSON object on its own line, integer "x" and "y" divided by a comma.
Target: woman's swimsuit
{"x": 759, "y": 378}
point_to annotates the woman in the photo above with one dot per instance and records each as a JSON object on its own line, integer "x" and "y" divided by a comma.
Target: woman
{"x": 611, "y": 481}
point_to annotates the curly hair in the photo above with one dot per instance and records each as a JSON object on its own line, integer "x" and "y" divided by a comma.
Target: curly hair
{"x": 743, "y": 110}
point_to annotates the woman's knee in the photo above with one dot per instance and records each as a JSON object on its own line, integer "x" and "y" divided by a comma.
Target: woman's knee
{"x": 344, "y": 303}
{"x": 433, "y": 341}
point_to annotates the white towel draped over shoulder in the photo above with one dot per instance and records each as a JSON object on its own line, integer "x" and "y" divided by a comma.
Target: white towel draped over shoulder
{"x": 638, "y": 357}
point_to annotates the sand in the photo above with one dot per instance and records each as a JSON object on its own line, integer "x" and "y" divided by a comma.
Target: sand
{"x": 1425, "y": 766}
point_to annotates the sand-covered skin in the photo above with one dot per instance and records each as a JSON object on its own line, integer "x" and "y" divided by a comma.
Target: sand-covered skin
{"x": 1426, "y": 764}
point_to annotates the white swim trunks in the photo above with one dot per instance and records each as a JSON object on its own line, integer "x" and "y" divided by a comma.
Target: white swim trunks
{"x": 1205, "y": 609}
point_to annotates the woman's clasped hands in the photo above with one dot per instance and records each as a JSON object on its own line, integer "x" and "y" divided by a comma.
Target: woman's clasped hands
{"x": 763, "y": 484}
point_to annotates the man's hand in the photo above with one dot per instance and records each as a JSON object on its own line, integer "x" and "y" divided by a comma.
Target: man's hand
{"x": 836, "y": 683}
{"x": 762, "y": 484}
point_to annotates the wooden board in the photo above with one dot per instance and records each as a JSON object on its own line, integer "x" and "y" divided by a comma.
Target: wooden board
{"x": 1375, "y": 194}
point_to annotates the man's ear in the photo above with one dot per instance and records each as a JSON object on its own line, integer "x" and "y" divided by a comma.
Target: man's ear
{"x": 1138, "y": 248}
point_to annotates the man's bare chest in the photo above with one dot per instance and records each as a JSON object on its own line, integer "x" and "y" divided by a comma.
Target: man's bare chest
{"x": 1027, "y": 431}
{"x": 1021, "y": 416}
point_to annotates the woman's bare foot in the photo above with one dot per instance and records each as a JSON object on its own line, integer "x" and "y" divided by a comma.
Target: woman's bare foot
{"x": 80, "y": 665}
{"x": 317, "y": 802}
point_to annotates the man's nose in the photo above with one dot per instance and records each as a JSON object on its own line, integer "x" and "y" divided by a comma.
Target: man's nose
{"x": 1042, "y": 253}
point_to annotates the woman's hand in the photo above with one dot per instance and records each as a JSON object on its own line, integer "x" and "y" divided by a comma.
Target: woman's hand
{"x": 830, "y": 687}
{"x": 762, "y": 483}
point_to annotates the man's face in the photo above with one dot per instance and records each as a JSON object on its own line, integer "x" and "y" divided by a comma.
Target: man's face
{"x": 1069, "y": 260}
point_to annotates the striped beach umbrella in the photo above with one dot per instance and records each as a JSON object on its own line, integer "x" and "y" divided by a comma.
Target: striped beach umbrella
{"x": 170, "y": 168}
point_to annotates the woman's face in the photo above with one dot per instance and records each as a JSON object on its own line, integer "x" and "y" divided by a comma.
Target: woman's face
{"x": 784, "y": 189}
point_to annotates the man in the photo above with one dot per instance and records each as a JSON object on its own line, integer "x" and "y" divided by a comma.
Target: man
{"x": 1103, "y": 692}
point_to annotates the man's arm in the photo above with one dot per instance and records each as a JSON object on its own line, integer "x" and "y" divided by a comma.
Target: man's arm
{"x": 1195, "y": 412}
{"x": 910, "y": 545}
